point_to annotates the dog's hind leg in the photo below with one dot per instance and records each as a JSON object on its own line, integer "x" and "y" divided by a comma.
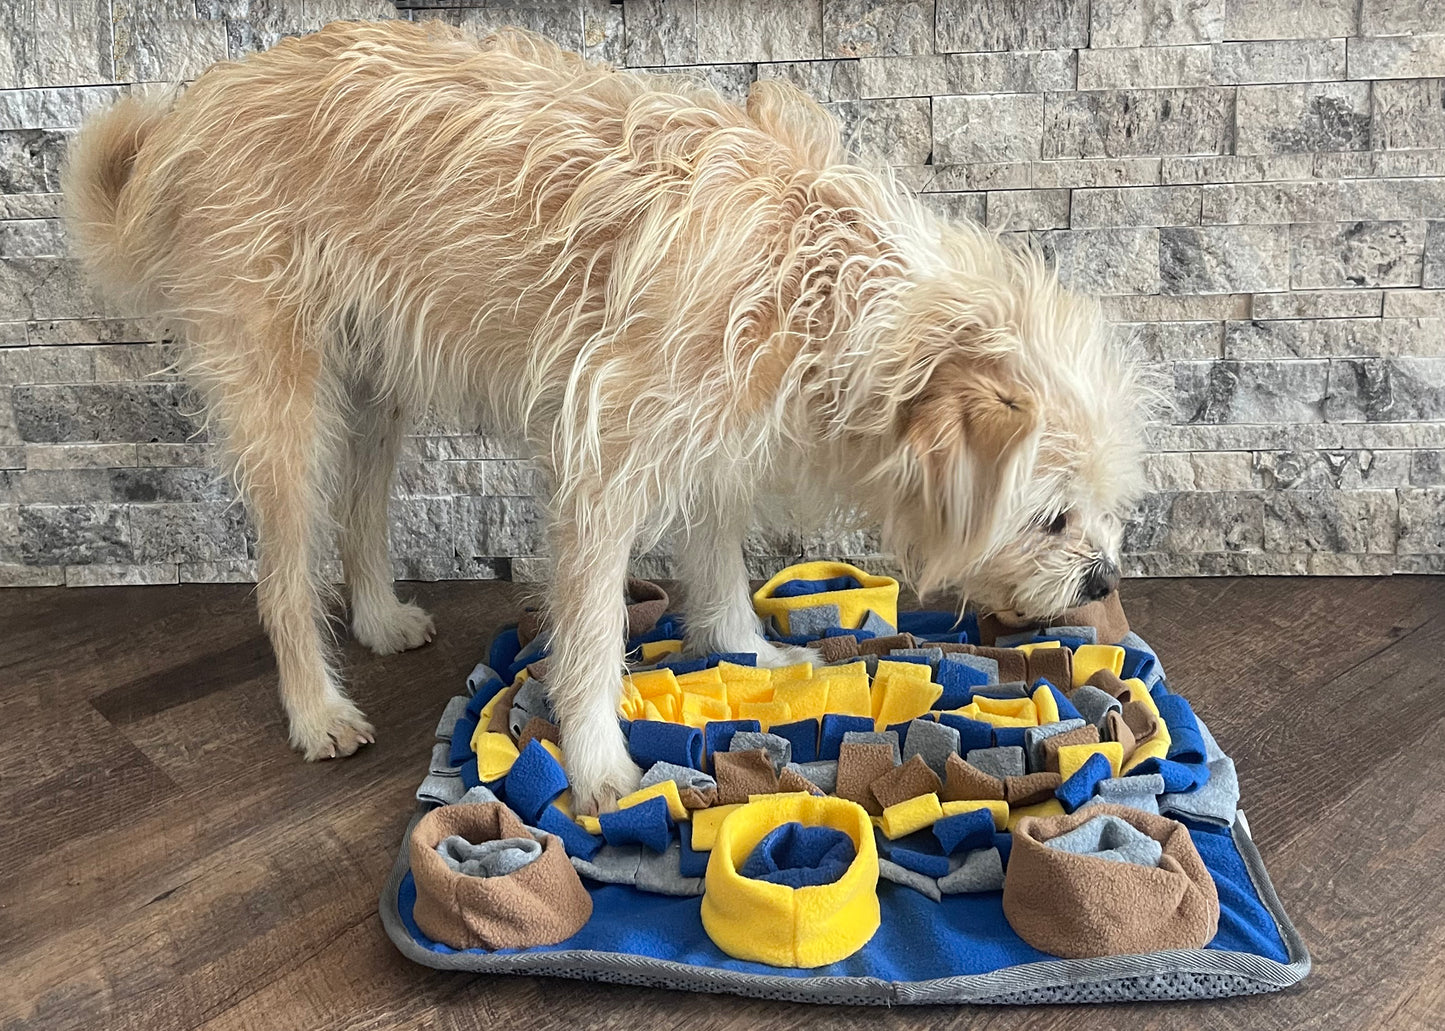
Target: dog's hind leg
{"x": 379, "y": 619}
{"x": 587, "y": 617}
{"x": 280, "y": 428}
{"x": 720, "y": 616}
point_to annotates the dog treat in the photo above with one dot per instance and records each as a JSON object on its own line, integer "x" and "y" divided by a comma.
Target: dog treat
{"x": 899, "y": 784}
{"x": 964, "y": 781}
{"x": 963, "y": 832}
{"x": 779, "y": 749}
{"x": 933, "y": 742}
{"x": 1056, "y": 665}
{"x": 1030, "y": 788}
{"x": 1085, "y": 735}
{"x": 647, "y": 823}
{"x": 534, "y": 780}
{"x": 1079, "y": 788}
{"x": 743, "y": 774}
{"x": 998, "y": 762}
{"x": 859, "y": 765}
{"x": 539, "y": 903}
{"x": 979, "y": 870}
{"x": 1074, "y": 905}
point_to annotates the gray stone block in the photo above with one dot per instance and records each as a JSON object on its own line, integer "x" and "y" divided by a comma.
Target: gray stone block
{"x": 1386, "y": 390}
{"x": 104, "y": 412}
{"x": 1341, "y": 254}
{"x": 978, "y": 25}
{"x": 1012, "y": 210}
{"x": 1190, "y": 524}
{"x": 1135, "y": 206}
{"x": 1302, "y": 338}
{"x": 1145, "y": 67}
{"x": 877, "y": 28}
{"x": 1155, "y": 23}
{"x": 1292, "y": 60}
{"x": 1304, "y": 117}
{"x": 1107, "y": 261}
{"x": 1350, "y": 521}
{"x": 888, "y": 132}
{"x": 1422, "y": 524}
{"x": 63, "y": 535}
{"x": 757, "y": 30}
{"x": 1070, "y": 173}
{"x": 1277, "y": 392}
{"x": 1008, "y": 71}
{"x": 1119, "y": 123}
{"x": 1408, "y": 114}
{"x": 1226, "y": 259}
{"x": 993, "y": 127}
{"x": 1270, "y": 19}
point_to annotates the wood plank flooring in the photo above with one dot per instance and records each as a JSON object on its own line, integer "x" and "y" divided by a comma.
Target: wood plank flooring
{"x": 166, "y": 862}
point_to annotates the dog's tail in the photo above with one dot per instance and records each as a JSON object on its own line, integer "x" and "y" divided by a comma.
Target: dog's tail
{"x": 94, "y": 184}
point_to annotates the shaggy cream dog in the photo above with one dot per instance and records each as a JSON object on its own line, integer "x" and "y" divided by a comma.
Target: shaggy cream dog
{"x": 677, "y": 303}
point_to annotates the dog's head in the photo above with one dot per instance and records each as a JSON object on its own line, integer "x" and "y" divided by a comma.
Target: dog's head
{"x": 1014, "y": 454}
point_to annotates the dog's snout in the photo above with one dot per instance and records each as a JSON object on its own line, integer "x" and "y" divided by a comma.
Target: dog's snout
{"x": 1099, "y": 582}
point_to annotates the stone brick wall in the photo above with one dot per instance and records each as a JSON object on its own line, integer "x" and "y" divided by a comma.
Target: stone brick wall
{"x": 1256, "y": 187}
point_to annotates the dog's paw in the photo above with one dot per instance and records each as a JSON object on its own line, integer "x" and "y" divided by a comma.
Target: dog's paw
{"x": 596, "y": 788}
{"x": 338, "y": 729}
{"x": 397, "y": 627}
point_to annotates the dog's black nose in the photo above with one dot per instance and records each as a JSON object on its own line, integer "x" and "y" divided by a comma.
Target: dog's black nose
{"x": 1100, "y": 582}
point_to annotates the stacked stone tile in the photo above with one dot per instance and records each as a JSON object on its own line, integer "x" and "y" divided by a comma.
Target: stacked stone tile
{"x": 1255, "y": 187}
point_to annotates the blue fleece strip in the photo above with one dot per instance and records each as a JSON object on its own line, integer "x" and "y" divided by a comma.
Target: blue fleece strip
{"x": 799, "y": 588}
{"x": 926, "y": 863}
{"x": 1010, "y": 737}
{"x": 504, "y": 648}
{"x": 959, "y": 678}
{"x": 1004, "y": 842}
{"x": 681, "y": 666}
{"x": 647, "y": 824}
{"x": 803, "y": 734}
{"x": 1140, "y": 664}
{"x": 1186, "y": 744}
{"x": 470, "y": 774}
{"x": 964, "y": 832}
{"x": 835, "y": 725}
{"x": 577, "y": 841}
{"x": 534, "y": 780}
{"x": 656, "y": 741}
{"x": 799, "y": 856}
{"x": 718, "y": 735}
{"x": 461, "y": 746}
{"x": 1080, "y": 787}
{"x": 692, "y": 862}
{"x": 972, "y": 734}
{"x": 736, "y": 658}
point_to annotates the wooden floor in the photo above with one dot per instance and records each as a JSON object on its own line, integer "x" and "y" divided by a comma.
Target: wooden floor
{"x": 166, "y": 862}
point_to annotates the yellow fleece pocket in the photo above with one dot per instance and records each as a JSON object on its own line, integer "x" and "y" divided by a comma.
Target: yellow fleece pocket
{"x": 875, "y": 593}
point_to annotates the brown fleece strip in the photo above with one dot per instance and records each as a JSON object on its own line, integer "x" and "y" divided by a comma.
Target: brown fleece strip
{"x": 1012, "y": 664}
{"x": 1076, "y": 905}
{"x": 792, "y": 780}
{"x": 1108, "y": 681}
{"x": 859, "y": 765}
{"x": 538, "y": 904}
{"x": 538, "y": 729}
{"x": 884, "y": 645}
{"x": 500, "y": 723}
{"x": 1030, "y": 788}
{"x": 1056, "y": 665}
{"x": 740, "y": 774}
{"x": 967, "y": 783}
{"x": 837, "y": 649}
{"x": 909, "y": 780}
{"x": 1086, "y": 735}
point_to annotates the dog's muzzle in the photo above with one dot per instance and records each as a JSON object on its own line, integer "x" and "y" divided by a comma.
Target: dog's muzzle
{"x": 1100, "y": 580}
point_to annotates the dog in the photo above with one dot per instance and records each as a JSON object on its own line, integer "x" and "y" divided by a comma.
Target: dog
{"x": 679, "y": 305}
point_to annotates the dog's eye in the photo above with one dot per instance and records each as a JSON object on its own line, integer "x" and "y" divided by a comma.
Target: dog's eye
{"x": 1058, "y": 524}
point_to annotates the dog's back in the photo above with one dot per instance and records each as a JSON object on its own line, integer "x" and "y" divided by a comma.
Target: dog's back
{"x": 480, "y": 211}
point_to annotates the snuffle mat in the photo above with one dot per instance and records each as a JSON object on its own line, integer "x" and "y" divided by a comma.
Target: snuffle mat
{"x": 938, "y": 811}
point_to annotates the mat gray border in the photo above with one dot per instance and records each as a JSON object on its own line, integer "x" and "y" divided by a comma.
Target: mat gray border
{"x": 1248, "y": 973}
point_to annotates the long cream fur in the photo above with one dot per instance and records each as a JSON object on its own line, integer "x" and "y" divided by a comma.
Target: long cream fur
{"x": 676, "y": 303}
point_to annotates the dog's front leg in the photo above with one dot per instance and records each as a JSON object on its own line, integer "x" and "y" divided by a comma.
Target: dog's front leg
{"x": 720, "y": 616}
{"x": 587, "y": 616}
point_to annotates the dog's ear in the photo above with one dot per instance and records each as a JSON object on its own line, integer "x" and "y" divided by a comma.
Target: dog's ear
{"x": 974, "y": 431}
{"x": 791, "y": 116}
